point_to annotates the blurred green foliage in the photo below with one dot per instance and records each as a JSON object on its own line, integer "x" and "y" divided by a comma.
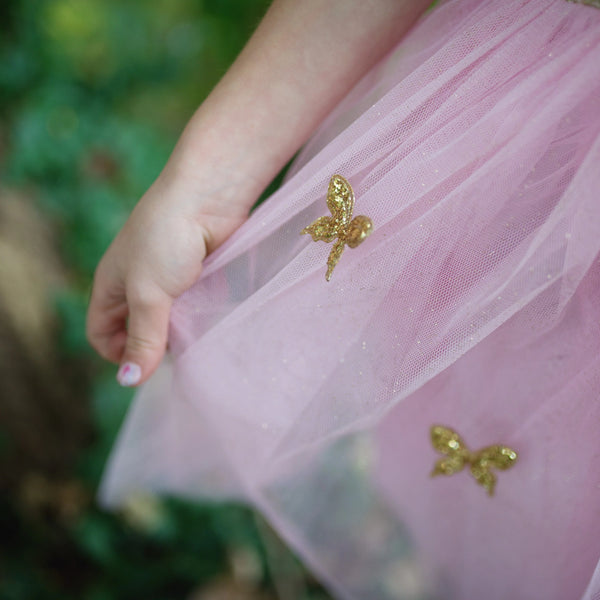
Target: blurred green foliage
{"x": 92, "y": 96}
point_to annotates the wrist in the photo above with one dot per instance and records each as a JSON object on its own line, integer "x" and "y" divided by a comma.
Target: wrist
{"x": 220, "y": 159}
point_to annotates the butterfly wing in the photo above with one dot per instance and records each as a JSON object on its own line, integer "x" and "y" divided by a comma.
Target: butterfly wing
{"x": 340, "y": 200}
{"x": 360, "y": 228}
{"x": 334, "y": 257}
{"x": 485, "y": 477}
{"x": 324, "y": 229}
{"x": 448, "y": 442}
{"x": 492, "y": 457}
{"x": 497, "y": 456}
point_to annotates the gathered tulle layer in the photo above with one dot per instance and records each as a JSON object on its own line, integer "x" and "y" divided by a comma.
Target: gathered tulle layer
{"x": 475, "y": 150}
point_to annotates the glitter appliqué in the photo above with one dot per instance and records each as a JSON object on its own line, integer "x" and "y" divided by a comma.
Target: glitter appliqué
{"x": 448, "y": 442}
{"x": 340, "y": 226}
{"x": 594, "y": 3}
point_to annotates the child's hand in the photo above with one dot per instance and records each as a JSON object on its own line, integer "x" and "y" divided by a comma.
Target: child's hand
{"x": 157, "y": 256}
{"x": 294, "y": 70}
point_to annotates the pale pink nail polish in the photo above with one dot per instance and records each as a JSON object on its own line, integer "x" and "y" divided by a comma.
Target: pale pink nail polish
{"x": 129, "y": 374}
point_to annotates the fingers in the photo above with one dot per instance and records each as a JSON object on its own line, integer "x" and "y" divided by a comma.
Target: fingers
{"x": 147, "y": 332}
{"x": 129, "y": 328}
{"x": 106, "y": 325}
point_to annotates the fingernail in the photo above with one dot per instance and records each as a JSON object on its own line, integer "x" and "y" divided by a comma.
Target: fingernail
{"x": 129, "y": 374}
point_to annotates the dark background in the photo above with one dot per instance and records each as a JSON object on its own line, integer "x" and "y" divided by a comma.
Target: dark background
{"x": 93, "y": 94}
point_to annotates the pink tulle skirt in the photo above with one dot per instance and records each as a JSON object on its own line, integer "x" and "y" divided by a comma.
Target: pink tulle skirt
{"x": 474, "y": 148}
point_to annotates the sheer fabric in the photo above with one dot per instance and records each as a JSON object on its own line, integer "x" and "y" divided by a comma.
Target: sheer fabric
{"x": 475, "y": 150}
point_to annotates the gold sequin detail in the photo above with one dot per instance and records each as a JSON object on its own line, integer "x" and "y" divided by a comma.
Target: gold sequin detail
{"x": 594, "y": 3}
{"x": 340, "y": 226}
{"x": 448, "y": 442}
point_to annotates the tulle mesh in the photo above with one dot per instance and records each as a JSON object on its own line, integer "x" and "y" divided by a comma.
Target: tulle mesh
{"x": 475, "y": 150}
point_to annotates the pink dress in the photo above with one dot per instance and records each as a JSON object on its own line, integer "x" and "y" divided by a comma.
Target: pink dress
{"x": 474, "y": 148}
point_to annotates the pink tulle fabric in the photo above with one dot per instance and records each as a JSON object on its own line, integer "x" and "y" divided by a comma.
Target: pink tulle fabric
{"x": 475, "y": 304}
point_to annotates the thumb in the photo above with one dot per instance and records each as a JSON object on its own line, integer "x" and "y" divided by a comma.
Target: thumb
{"x": 146, "y": 337}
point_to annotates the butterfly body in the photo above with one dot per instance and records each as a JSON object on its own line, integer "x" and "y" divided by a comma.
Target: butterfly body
{"x": 457, "y": 456}
{"x": 340, "y": 226}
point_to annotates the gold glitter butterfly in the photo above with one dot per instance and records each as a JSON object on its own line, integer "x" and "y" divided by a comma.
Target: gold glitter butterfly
{"x": 448, "y": 442}
{"x": 340, "y": 226}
